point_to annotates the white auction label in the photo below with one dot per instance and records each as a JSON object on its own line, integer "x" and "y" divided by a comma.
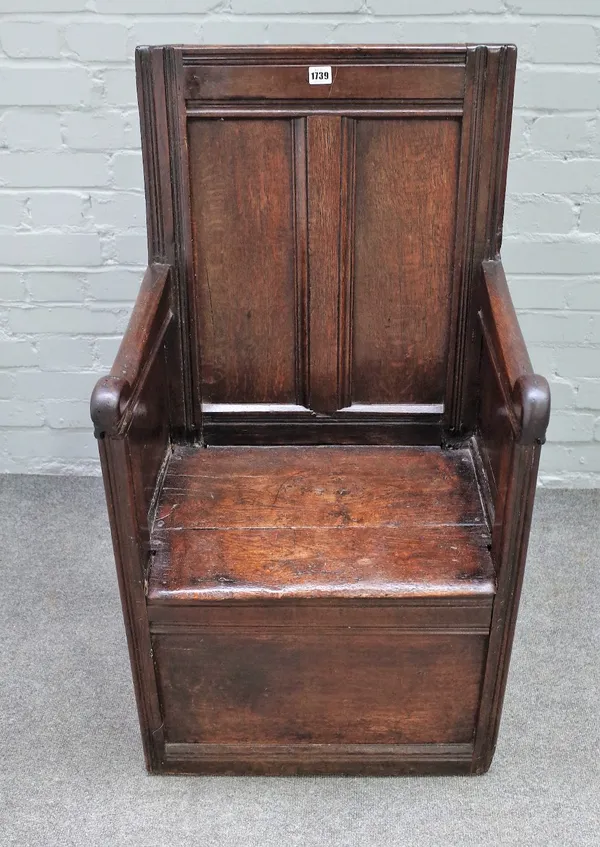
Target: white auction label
{"x": 320, "y": 75}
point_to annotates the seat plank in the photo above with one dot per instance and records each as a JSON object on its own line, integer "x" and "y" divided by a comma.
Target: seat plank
{"x": 199, "y": 565}
{"x": 295, "y": 487}
{"x": 305, "y": 522}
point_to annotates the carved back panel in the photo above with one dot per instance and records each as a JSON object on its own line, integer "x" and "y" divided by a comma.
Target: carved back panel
{"x": 325, "y": 237}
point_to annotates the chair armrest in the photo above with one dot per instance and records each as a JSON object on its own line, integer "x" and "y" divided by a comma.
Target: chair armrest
{"x": 526, "y": 394}
{"x": 513, "y": 408}
{"x": 112, "y": 399}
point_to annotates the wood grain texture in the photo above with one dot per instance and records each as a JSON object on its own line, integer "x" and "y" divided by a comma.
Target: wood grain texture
{"x": 295, "y": 487}
{"x": 274, "y": 428}
{"x": 305, "y": 759}
{"x": 180, "y": 247}
{"x": 130, "y": 410}
{"x": 512, "y": 416}
{"x": 324, "y": 269}
{"x": 406, "y": 181}
{"x": 302, "y": 291}
{"x": 324, "y": 185}
{"x": 244, "y": 247}
{"x": 344, "y": 54}
{"x": 509, "y": 550}
{"x": 253, "y": 523}
{"x": 148, "y": 440}
{"x": 133, "y": 455}
{"x": 469, "y": 614}
{"x": 462, "y": 344}
{"x": 500, "y": 318}
{"x": 275, "y": 82}
{"x": 494, "y": 425}
{"x": 397, "y": 354}
{"x": 114, "y": 399}
{"x": 484, "y": 161}
{"x": 526, "y": 394}
{"x": 160, "y": 215}
{"x": 282, "y": 686}
{"x": 254, "y": 564}
{"x": 130, "y": 550}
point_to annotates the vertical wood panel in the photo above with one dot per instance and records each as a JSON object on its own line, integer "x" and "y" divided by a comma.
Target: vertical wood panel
{"x": 182, "y": 270}
{"x": 301, "y": 260}
{"x": 245, "y": 244}
{"x": 130, "y": 556}
{"x": 347, "y": 227}
{"x": 406, "y": 183}
{"x": 324, "y": 180}
{"x": 158, "y": 102}
{"x": 492, "y": 166}
{"x": 470, "y": 167}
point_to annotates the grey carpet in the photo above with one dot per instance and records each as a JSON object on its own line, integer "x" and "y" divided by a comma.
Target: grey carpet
{"x": 71, "y": 771}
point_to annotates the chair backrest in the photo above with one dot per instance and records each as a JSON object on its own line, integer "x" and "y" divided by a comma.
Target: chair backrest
{"x": 326, "y": 211}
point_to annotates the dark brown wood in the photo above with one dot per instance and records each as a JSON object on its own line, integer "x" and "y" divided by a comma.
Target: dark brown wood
{"x": 294, "y": 759}
{"x": 242, "y": 197}
{"x": 468, "y": 186}
{"x": 486, "y": 133}
{"x": 282, "y": 425}
{"x": 513, "y": 416}
{"x": 319, "y": 522}
{"x": 114, "y": 399}
{"x": 130, "y": 411}
{"x": 526, "y": 395}
{"x": 257, "y": 686}
{"x": 403, "y": 259}
{"x": 162, "y": 226}
{"x": 307, "y": 562}
{"x": 319, "y": 486}
{"x": 321, "y": 434}
{"x": 358, "y": 81}
{"x": 324, "y": 158}
{"x": 422, "y": 222}
{"x": 415, "y": 614}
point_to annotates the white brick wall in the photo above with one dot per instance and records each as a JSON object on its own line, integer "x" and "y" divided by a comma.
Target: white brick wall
{"x": 72, "y": 243}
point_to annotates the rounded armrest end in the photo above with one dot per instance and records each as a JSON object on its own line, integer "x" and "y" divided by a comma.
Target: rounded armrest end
{"x": 531, "y": 398}
{"x": 109, "y": 398}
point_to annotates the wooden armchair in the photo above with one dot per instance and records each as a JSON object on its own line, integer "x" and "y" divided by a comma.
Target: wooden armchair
{"x": 321, "y": 434}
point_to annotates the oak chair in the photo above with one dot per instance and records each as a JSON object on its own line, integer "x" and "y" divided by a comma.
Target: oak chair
{"x": 320, "y": 437}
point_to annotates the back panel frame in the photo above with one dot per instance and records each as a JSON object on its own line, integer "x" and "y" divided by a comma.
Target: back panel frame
{"x": 467, "y": 87}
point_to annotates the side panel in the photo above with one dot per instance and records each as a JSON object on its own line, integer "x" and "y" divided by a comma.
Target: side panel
{"x": 242, "y": 183}
{"x": 148, "y": 439}
{"x": 494, "y": 434}
{"x": 406, "y": 184}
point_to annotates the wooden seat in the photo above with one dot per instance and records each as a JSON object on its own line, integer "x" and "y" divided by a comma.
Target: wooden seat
{"x": 321, "y": 433}
{"x": 246, "y": 523}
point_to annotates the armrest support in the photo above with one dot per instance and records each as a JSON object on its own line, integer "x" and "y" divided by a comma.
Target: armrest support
{"x": 513, "y": 413}
{"x": 130, "y": 411}
{"x": 527, "y": 394}
{"x": 111, "y": 404}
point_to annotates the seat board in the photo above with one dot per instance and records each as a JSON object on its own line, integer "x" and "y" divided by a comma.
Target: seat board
{"x": 299, "y": 522}
{"x": 295, "y": 487}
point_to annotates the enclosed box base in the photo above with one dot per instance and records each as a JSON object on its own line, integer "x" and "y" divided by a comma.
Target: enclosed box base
{"x": 320, "y": 609}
